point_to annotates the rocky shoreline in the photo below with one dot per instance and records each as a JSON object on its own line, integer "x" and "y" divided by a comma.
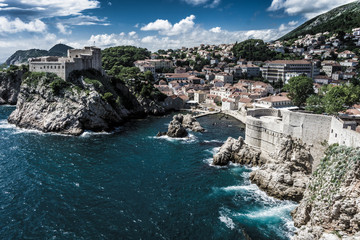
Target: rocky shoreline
{"x": 329, "y": 199}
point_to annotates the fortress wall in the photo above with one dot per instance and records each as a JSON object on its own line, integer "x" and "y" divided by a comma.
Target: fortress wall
{"x": 264, "y": 131}
{"x": 311, "y": 128}
{"x": 343, "y": 136}
{"x": 55, "y": 67}
{"x": 263, "y": 134}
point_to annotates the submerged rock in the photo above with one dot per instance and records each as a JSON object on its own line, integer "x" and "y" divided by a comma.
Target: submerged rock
{"x": 330, "y": 208}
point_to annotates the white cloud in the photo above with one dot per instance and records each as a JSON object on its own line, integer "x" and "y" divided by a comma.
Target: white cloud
{"x": 214, "y": 4}
{"x": 85, "y": 20}
{"x": 215, "y": 30}
{"x": 307, "y": 8}
{"x": 17, "y": 25}
{"x": 132, "y": 34}
{"x": 166, "y": 28}
{"x": 293, "y": 23}
{"x": 68, "y": 12}
{"x": 206, "y": 3}
{"x": 196, "y": 2}
{"x": 195, "y": 37}
{"x": 110, "y": 3}
{"x": 158, "y": 25}
{"x": 57, "y": 7}
{"x": 63, "y": 29}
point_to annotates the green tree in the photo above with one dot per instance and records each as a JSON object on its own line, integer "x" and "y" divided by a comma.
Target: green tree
{"x": 314, "y": 103}
{"x": 299, "y": 88}
{"x": 253, "y": 49}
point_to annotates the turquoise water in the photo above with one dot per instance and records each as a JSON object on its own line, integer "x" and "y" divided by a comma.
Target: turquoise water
{"x": 130, "y": 185}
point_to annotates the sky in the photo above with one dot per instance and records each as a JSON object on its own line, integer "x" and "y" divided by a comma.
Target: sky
{"x": 153, "y": 24}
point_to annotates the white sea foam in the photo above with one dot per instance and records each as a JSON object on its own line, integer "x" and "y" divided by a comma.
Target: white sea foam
{"x": 227, "y": 220}
{"x": 278, "y": 211}
{"x": 213, "y": 151}
{"x": 213, "y": 141}
{"x": 91, "y": 133}
{"x": 16, "y": 130}
{"x": 209, "y": 161}
{"x": 5, "y": 125}
{"x": 191, "y": 138}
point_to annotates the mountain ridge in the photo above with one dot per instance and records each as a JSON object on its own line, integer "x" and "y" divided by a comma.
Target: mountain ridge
{"x": 21, "y": 56}
{"x": 343, "y": 18}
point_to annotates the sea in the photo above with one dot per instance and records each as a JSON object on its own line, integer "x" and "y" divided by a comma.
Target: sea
{"x": 129, "y": 184}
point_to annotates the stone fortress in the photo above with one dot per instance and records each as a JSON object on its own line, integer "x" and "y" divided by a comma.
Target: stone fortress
{"x": 266, "y": 127}
{"x": 77, "y": 59}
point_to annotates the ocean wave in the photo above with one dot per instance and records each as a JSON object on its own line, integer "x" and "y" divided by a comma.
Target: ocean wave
{"x": 227, "y": 220}
{"x": 213, "y": 151}
{"x": 191, "y": 138}
{"x": 213, "y": 141}
{"x": 209, "y": 161}
{"x": 91, "y": 133}
{"x": 17, "y": 130}
{"x": 277, "y": 211}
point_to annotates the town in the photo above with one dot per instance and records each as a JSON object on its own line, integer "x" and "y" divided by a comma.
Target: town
{"x": 213, "y": 78}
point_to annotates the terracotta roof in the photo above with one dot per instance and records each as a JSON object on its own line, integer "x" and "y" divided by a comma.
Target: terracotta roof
{"x": 352, "y": 112}
{"x": 275, "y": 99}
{"x": 245, "y": 100}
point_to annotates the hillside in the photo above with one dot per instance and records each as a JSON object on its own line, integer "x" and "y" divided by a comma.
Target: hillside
{"x": 343, "y": 18}
{"x": 21, "y": 56}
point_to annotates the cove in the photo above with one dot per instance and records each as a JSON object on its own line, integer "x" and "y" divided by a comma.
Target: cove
{"x": 131, "y": 185}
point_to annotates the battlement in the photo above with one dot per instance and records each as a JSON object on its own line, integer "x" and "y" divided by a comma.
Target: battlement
{"x": 77, "y": 59}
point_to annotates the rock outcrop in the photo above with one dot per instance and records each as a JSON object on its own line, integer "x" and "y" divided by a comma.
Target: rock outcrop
{"x": 283, "y": 175}
{"x": 10, "y": 82}
{"x": 49, "y": 104}
{"x": 330, "y": 208}
{"x": 237, "y": 151}
{"x": 151, "y": 107}
{"x": 286, "y": 174}
{"x": 177, "y": 127}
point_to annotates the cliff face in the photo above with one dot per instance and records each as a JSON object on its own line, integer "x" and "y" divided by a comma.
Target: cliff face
{"x": 50, "y": 104}
{"x": 330, "y": 208}
{"x": 284, "y": 174}
{"x": 10, "y": 86}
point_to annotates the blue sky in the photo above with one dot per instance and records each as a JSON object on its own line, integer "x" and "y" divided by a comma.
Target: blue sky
{"x": 155, "y": 24}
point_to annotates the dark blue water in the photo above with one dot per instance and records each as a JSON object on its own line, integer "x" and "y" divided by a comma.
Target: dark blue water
{"x": 130, "y": 185}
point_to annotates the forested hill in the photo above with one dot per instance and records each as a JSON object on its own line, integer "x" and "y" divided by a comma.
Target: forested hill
{"x": 343, "y": 18}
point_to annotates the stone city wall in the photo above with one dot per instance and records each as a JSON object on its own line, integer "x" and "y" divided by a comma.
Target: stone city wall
{"x": 266, "y": 127}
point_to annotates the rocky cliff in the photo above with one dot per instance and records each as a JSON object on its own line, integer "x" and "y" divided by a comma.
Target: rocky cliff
{"x": 10, "y": 82}
{"x": 330, "y": 208}
{"x": 88, "y": 101}
{"x": 282, "y": 174}
{"x": 285, "y": 175}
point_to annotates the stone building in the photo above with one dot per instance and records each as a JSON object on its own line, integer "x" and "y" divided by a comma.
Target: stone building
{"x": 276, "y": 70}
{"x": 77, "y": 59}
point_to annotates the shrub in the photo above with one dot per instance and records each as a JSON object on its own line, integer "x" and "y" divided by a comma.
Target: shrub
{"x": 58, "y": 85}
{"x": 108, "y": 96}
